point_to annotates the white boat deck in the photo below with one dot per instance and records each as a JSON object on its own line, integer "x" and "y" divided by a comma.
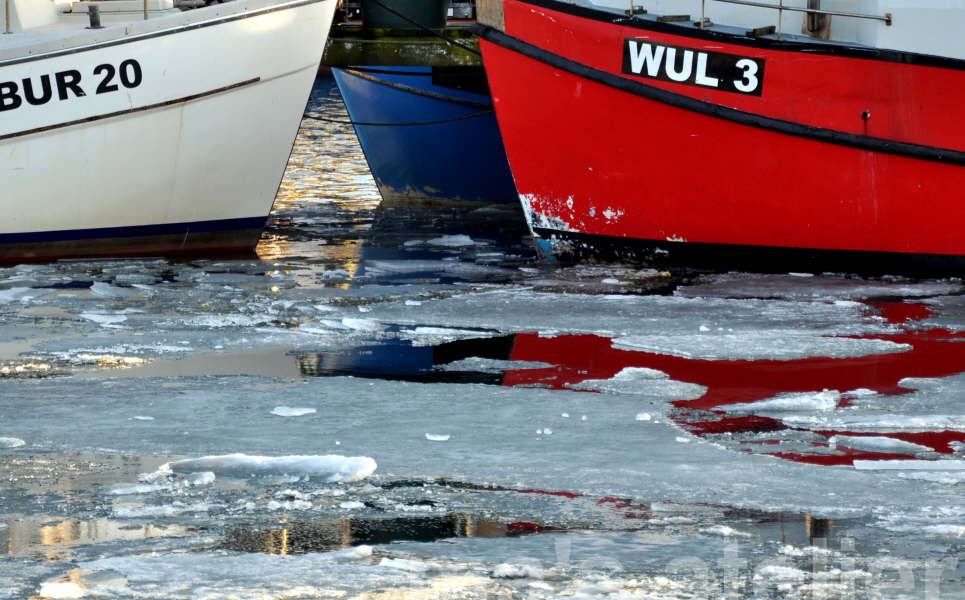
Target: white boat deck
{"x": 47, "y": 31}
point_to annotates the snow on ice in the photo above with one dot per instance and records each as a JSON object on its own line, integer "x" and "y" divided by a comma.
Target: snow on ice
{"x": 333, "y": 468}
{"x": 289, "y": 411}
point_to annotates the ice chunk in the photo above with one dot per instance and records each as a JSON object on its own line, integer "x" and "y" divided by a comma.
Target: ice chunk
{"x": 643, "y": 417}
{"x": 223, "y": 321}
{"x": 725, "y": 531}
{"x": 942, "y": 477}
{"x": 452, "y": 241}
{"x": 104, "y": 320}
{"x": 165, "y": 510}
{"x": 332, "y": 467}
{"x": 10, "y": 295}
{"x": 199, "y": 478}
{"x": 106, "y": 290}
{"x": 945, "y": 530}
{"x": 11, "y": 442}
{"x": 518, "y": 571}
{"x": 638, "y": 373}
{"x": 779, "y": 573}
{"x": 920, "y": 383}
{"x": 352, "y": 505}
{"x": 356, "y": 553}
{"x": 881, "y": 422}
{"x": 362, "y": 324}
{"x": 61, "y": 589}
{"x": 336, "y": 274}
{"x": 126, "y": 489}
{"x": 860, "y": 393}
{"x": 289, "y": 505}
{"x": 910, "y": 465}
{"x": 288, "y": 411}
{"x": 794, "y": 286}
{"x": 141, "y": 418}
{"x": 876, "y": 444}
{"x": 792, "y": 401}
{"x": 643, "y": 381}
{"x": 405, "y": 564}
{"x": 437, "y": 437}
{"x": 757, "y": 345}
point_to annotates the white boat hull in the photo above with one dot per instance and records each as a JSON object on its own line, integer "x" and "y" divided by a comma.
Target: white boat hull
{"x": 169, "y": 141}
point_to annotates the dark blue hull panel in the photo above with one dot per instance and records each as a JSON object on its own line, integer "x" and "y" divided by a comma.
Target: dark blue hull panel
{"x": 460, "y": 160}
{"x": 198, "y": 238}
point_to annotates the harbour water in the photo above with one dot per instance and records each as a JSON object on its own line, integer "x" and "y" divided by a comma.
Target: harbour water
{"x": 394, "y": 402}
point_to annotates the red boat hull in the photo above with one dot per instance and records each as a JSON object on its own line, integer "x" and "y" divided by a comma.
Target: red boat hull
{"x": 839, "y": 152}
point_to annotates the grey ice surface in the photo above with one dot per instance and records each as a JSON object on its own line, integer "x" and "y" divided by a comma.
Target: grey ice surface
{"x": 528, "y": 443}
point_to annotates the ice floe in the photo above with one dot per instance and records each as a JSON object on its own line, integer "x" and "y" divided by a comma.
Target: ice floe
{"x": 877, "y": 444}
{"x": 16, "y": 293}
{"x": 106, "y": 290}
{"x": 910, "y": 465}
{"x": 332, "y": 468}
{"x": 825, "y": 400}
{"x": 817, "y": 287}
{"x": 164, "y": 510}
{"x": 452, "y": 241}
{"x": 642, "y": 381}
{"x": 290, "y": 411}
{"x": 757, "y": 346}
{"x": 105, "y": 320}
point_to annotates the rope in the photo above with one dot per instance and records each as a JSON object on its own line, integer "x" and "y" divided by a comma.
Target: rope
{"x": 392, "y": 72}
{"x": 426, "y": 29}
{"x": 419, "y": 92}
{"x": 409, "y": 124}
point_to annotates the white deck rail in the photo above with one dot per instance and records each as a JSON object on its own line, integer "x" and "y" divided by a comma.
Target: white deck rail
{"x": 813, "y": 10}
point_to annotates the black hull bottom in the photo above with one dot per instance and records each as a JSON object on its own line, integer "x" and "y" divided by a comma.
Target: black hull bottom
{"x": 207, "y": 244}
{"x": 581, "y": 247}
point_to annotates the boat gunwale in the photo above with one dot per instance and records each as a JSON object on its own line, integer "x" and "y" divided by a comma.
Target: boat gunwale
{"x": 125, "y": 36}
{"x": 713, "y": 110}
{"x": 831, "y": 48}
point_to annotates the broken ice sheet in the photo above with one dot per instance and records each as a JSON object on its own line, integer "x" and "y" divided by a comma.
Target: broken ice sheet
{"x": 818, "y": 287}
{"x": 824, "y": 400}
{"x": 672, "y": 322}
{"x": 644, "y": 382}
{"x": 289, "y": 411}
{"x": 332, "y": 468}
{"x": 765, "y": 345}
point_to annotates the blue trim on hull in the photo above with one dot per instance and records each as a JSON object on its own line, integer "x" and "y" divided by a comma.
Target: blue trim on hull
{"x": 134, "y": 231}
{"x": 456, "y": 161}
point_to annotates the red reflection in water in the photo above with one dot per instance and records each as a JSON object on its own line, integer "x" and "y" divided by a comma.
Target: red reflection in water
{"x": 932, "y": 353}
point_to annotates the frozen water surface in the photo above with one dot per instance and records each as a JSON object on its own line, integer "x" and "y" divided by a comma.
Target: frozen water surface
{"x": 401, "y": 402}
